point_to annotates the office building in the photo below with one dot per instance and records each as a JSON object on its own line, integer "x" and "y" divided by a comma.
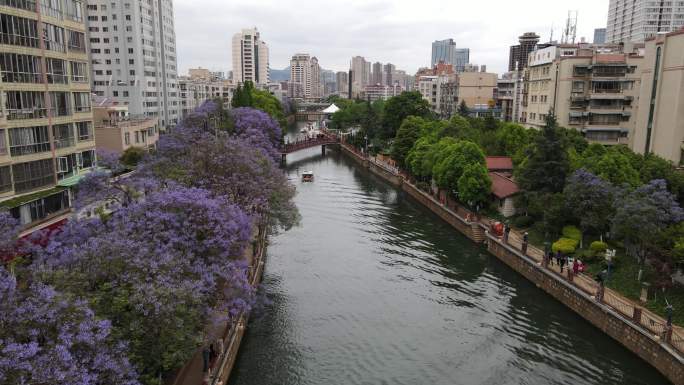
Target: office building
{"x": 443, "y": 51}
{"x": 637, "y": 20}
{"x": 377, "y": 75}
{"x": 660, "y": 123}
{"x": 461, "y": 58}
{"x": 305, "y": 77}
{"x": 517, "y": 58}
{"x": 600, "y": 36}
{"x": 589, "y": 88}
{"x": 250, "y": 58}
{"x": 47, "y": 141}
{"x": 133, "y": 56}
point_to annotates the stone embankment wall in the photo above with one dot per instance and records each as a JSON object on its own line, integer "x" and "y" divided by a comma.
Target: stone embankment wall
{"x": 638, "y": 340}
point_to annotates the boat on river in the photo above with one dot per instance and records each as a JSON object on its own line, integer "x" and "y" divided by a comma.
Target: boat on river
{"x": 307, "y": 176}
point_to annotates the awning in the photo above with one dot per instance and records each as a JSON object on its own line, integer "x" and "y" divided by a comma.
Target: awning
{"x": 71, "y": 181}
{"x": 331, "y": 109}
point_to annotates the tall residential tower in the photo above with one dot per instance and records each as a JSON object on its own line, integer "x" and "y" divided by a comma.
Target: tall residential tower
{"x": 637, "y": 20}
{"x": 250, "y": 58}
{"x": 133, "y": 52}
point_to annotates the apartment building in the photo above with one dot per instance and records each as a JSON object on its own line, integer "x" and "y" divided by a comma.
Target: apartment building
{"x": 133, "y": 55}
{"x": 509, "y": 93}
{"x": 305, "y": 77}
{"x": 46, "y": 123}
{"x": 660, "y": 123}
{"x": 441, "y": 91}
{"x": 250, "y": 58}
{"x": 361, "y": 74}
{"x": 590, "y": 88}
{"x": 638, "y": 20}
{"x": 342, "y": 80}
{"x": 202, "y": 85}
{"x": 117, "y": 130}
{"x": 375, "y": 92}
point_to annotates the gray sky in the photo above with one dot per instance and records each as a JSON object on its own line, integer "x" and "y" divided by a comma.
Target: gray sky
{"x": 395, "y": 31}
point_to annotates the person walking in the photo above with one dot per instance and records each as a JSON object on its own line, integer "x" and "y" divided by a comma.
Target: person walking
{"x": 575, "y": 266}
{"x": 525, "y": 240}
{"x": 206, "y": 356}
{"x": 563, "y": 260}
{"x": 507, "y": 233}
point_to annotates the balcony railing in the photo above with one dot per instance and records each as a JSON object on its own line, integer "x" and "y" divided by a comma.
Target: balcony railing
{"x": 64, "y": 142}
{"x": 27, "y": 113}
{"x": 29, "y": 5}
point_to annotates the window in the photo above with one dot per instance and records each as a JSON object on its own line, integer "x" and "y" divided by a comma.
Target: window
{"x": 51, "y": 8}
{"x": 81, "y": 102}
{"x": 79, "y": 71}
{"x": 74, "y": 10}
{"x": 25, "y": 105}
{"x": 61, "y": 105}
{"x": 53, "y": 37}
{"x": 29, "y": 5}
{"x": 64, "y": 135}
{"x": 41, "y": 208}
{"x": 76, "y": 41}
{"x": 88, "y": 159}
{"x": 127, "y": 138}
{"x": 5, "y": 179}
{"x": 29, "y": 140}
{"x": 137, "y": 137}
{"x": 19, "y": 31}
{"x": 16, "y": 68}
{"x": 85, "y": 131}
{"x": 56, "y": 71}
{"x": 3, "y": 144}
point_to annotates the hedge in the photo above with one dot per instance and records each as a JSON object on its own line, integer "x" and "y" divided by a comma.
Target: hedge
{"x": 598, "y": 247}
{"x": 565, "y": 246}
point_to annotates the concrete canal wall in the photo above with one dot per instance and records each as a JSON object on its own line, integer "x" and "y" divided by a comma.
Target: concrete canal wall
{"x": 637, "y": 339}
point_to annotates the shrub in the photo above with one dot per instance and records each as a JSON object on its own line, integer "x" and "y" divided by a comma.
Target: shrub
{"x": 132, "y": 156}
{"x": 598, "y": 247}
{"x": 572, "y": 232}
{"x": 565, "y": 246}
{"x": 523, "y": 222}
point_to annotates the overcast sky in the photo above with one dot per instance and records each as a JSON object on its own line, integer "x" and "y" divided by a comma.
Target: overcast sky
{"x": 395, "y": 31}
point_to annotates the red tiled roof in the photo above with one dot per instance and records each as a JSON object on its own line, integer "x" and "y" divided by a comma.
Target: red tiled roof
{"x": 499, "y": 163}
{"x": 502, "y": 187}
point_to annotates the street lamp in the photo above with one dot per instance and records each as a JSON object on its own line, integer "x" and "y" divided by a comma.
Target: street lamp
{"x": 366, "y": 138}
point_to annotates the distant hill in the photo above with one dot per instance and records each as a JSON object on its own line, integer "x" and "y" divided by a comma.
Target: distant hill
{"x": 280, "y": 75}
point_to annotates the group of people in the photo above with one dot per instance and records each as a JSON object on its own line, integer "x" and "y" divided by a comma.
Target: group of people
{"x": 563, "y": 260}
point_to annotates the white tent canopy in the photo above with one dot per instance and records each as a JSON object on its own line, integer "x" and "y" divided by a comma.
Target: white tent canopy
{"x": 332, "y": 109}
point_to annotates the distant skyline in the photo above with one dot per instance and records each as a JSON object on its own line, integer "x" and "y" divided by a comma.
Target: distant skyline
{"x": 379, "y": 30}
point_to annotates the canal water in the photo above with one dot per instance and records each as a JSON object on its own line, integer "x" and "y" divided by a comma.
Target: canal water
{"x": 374, "y": 289}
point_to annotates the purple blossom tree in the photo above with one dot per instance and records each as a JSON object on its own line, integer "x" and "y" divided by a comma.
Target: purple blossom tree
{"x": 590, "y": 198}
{"x": 9, "y": 230}
{"x": 641, "y": 215}
{"x": 49, "y": 338}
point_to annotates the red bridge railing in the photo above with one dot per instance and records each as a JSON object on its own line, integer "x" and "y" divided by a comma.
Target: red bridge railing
{"x": 324, "y": 138}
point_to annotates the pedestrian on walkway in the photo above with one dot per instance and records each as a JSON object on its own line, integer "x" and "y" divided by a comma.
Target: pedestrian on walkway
{"x": 206, "y": 355}
{"x": 575, "y": 266}
{"x": 563, "y": 261}
{"x": 525, "y": 240}
{"x": 507, "y": 232}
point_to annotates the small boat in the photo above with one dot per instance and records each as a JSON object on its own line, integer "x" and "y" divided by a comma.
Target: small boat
{"x": 307, "y": 176}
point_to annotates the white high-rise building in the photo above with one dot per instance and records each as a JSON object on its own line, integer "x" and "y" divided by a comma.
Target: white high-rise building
{"x": 305, "y": 77}
{"x": 637, "y": 20}
{"x": 250, "y": 58}
{"x": 133, "y": 56}
{"x": 361, "y": 74}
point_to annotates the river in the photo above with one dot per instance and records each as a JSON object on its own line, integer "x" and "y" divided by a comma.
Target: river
{"x": 374, "y": 289}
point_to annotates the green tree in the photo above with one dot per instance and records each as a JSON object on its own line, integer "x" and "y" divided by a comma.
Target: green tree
{"x": 399, "y": 108}
{"x": 407, "y": 135}
{"x": 268, "y": 103}
{"x": 132, "y": 156}
{"x": 463, "y": 109}
{"x": 547, "y": 164}
{"x": 617, "y": 169}
{"x": 417, "y": 158}
{"x": 452, "y": 160}
{"x": 474, "y": 185}
{"x": 511, "y": 138}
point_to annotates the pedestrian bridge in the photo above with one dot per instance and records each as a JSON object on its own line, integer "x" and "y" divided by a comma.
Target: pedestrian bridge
{"x": 323, "y": 139}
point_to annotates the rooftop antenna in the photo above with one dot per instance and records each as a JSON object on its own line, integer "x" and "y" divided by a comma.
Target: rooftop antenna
{"x": 570, "y": 31}
{"x": 551, "y": 38}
